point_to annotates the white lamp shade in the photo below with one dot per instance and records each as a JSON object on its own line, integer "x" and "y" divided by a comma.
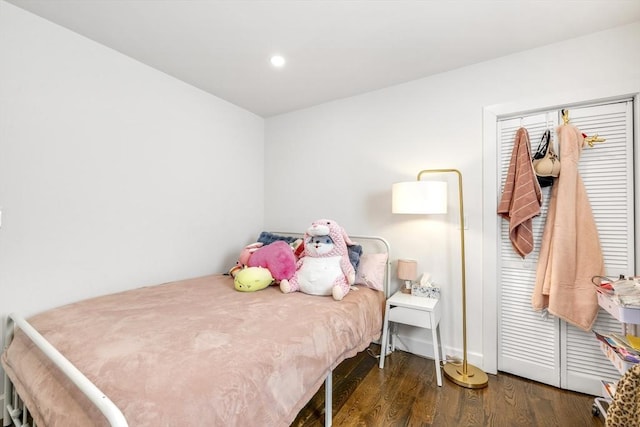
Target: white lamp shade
{"x": 419, "y": 197}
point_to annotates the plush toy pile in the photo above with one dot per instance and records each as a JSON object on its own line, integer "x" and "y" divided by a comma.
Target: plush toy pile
{"x": 260, "y": 265}
{"x": 324, "y": 268}
{"x": 277, "y": 257}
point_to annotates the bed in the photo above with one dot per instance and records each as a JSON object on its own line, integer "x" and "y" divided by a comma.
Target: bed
{"x": 190, "y": 352}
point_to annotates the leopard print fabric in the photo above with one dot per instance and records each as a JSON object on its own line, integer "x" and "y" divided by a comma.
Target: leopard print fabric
{"x": 624, "y": 411}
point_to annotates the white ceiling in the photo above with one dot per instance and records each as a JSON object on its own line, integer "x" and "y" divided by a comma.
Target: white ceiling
{"x": 333, "y": 48}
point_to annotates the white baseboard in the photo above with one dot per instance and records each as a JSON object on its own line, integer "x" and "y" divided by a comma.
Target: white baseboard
{"x": 414, "y": 346}
{"x": 425, "y": 349}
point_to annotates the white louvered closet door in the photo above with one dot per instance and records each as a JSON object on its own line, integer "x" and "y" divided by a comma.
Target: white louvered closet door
{"x": 546, "y": 349}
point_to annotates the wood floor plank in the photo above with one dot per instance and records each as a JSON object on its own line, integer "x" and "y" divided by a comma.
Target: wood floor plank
{"x": 405, "y": 393}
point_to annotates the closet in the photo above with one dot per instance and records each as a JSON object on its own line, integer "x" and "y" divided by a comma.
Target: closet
{"x": 544, "y": 348}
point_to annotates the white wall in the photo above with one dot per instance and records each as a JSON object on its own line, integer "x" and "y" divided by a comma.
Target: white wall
{"x": 338, "y": 160}
{"x": 113, "y": 175}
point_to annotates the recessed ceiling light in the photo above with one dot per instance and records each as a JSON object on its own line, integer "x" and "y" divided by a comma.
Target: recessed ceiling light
{"x": 277, "y": 61}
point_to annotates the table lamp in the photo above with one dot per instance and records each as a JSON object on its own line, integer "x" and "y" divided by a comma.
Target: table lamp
{"x": 407, "y": 271}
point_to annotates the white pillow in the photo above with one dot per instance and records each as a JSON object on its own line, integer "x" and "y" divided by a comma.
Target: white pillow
{"x": 371, "y": 271}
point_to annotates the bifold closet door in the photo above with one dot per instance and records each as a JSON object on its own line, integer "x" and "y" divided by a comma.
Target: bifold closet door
{"x": 608, "y": 175}
{"x": 528, "y": 344}
{"x": 546, "y": 349}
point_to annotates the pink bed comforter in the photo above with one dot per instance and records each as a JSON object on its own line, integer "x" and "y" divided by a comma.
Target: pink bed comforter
{"x": 193, "y": 352}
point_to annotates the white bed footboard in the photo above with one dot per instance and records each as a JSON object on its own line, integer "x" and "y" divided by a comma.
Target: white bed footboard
{"x": 15, "y": 410}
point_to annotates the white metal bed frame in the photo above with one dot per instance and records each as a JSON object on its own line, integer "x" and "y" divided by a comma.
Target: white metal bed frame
{"x": 16, "y": 412}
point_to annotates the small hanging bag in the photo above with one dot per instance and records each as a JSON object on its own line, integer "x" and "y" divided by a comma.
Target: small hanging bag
{"x": 545, "y": 161}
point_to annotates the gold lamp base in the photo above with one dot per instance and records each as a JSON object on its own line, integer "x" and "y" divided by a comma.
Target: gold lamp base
{"x": 474, "y": 378}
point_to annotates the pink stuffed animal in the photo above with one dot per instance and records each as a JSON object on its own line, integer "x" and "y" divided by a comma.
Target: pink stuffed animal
{"x": 324, "y": 268}
{"x": 243, "y": 259}
{"x": 245, "y": 254}
{"x": 278, "y": 257}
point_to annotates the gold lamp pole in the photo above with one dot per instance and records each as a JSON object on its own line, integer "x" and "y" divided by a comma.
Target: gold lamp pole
{"x": 464, "y": 374}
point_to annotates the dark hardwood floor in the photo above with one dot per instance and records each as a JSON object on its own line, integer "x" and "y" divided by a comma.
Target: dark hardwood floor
{"x": 405, "y": 393}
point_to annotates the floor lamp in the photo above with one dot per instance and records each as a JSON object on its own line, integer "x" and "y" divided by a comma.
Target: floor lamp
{"x": 430, "y": 197}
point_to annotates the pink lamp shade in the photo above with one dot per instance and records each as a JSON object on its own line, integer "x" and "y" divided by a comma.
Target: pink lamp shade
{"x": 407, "y": 269}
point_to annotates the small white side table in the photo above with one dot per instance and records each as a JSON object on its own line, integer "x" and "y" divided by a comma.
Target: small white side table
{"x": 415, "y": 311}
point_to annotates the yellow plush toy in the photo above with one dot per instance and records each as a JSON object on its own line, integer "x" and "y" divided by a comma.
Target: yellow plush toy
{"x": 251, "y": 279}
